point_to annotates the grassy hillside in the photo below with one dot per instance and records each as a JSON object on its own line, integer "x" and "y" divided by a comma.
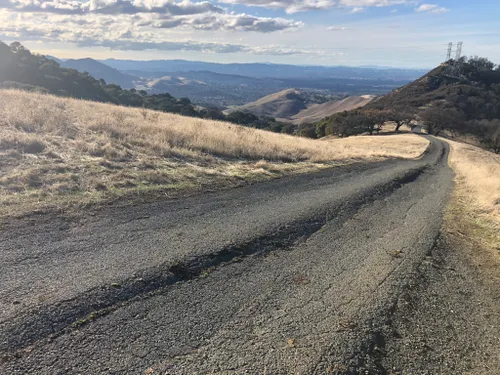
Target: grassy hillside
{"x": 285, "y": 103}
{"x": 316, "y": 112}
{"x": 478, "y": 173}
{"x": 461, "y": 98}
{"x": 298, "y": 107}
{"x": 56, "y": 151}
{"x": 473, "y": 217}
{"x": 462, "y": 85}
{"x": 22, "y": 70}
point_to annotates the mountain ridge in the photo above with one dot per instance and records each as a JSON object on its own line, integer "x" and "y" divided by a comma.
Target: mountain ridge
{"x": 264, "y": 70}
{"x": 99, "y": 70}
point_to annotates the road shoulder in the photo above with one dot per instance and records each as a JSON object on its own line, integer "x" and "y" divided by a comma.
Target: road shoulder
{"x": 449, "y": 318}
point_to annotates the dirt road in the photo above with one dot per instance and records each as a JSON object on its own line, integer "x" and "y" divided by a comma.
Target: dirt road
{"x": 299, "y": 275}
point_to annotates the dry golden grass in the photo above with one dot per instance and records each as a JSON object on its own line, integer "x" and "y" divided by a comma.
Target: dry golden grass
{"x": 55, "y": 151}
{"x": 477, "y": 194}
{"x": 367, "y": 146}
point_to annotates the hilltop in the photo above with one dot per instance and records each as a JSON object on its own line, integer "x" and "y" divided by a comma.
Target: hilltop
{"x": 458, "y": 98}
{"x": 282, "y": 104}
{"x": 450, "y": 84}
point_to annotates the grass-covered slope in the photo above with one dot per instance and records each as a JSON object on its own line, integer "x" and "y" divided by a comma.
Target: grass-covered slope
{"x": 474, "y": 212}
{"x": 462, "y": 97}
{"x": 282, "y": 104}
{"x": 472, "y": 89}
{"x": 56, "y": 150}
{"x": 19, "y": 68}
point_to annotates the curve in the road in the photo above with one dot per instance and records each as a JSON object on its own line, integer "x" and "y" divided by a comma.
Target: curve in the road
{"x": 273, "y": 277}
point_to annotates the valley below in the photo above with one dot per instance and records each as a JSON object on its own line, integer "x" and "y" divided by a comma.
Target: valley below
{"x": 229, "y": 85}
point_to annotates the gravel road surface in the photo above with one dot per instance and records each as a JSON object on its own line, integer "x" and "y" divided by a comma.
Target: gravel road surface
{"x": 295, "y": 276}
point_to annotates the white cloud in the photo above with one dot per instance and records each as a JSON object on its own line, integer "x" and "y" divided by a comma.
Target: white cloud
{"x": 224, "y": 48}
{"x": 431, "y": 8}
{"x": 165, "y": 14}
{"x": 113, "y": 7}
{"x": 357, "y": 10}
{"x": 336, "y": 28}
{"x": 237, "y": 22}
{"x": 108, "y": 32}
{"x": 294, "y": 6}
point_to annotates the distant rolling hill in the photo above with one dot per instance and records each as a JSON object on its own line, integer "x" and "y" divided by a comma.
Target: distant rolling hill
{"x": 163, "y": 84}
{"x": 282, "y": 104}
{"x": 227, "y": 85}
{"x": 317, "y": 112}
{"x": 207, "y": 88}
{"x": 300, "y": 107}
{"x": 264, "y": 70}
{"x": 206, "y": 76}
{"x": 99, "y": 70}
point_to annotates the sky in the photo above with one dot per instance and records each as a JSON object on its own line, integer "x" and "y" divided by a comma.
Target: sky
{"x": 395, "y": 33}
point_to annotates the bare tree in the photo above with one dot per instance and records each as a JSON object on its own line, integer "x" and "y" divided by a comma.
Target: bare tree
{"x": 401, "y": 116}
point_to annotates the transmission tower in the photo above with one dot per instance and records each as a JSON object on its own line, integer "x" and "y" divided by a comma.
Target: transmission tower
{"x": 454, "y": 67}
{"x": 448, "y": 55}
{"x": 459, "y": 51}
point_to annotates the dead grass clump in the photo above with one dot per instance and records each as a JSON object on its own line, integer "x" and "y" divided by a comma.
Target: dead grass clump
{"x": 53, "y": 148}
{"x": 65, "y": 187}
{"x": 477, "y": 196}
{"x": 156, "y": 177}
{"x": 23, "y": 144}
{"x": 478, "y": 176}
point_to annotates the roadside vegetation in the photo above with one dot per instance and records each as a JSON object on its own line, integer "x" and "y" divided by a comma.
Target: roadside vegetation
{"x": 476, "y": 208}
{"x": 57, "y": 151}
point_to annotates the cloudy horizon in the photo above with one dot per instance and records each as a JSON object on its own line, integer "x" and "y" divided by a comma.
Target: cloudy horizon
{"x": 396, "y": 33}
